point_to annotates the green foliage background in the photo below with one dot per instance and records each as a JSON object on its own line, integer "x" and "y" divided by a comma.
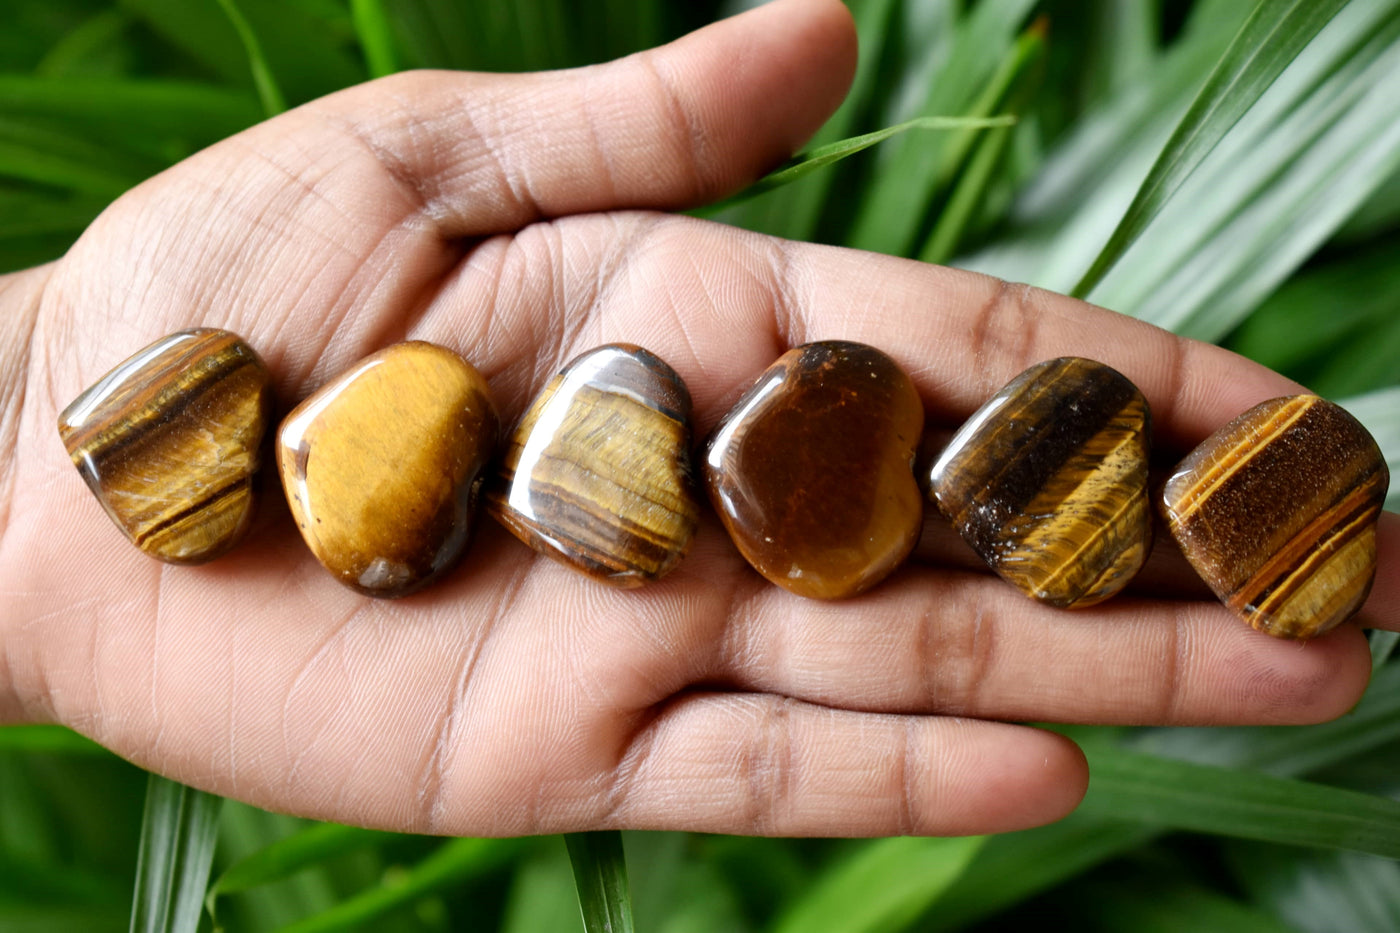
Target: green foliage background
{"x": 1281, "y": 245}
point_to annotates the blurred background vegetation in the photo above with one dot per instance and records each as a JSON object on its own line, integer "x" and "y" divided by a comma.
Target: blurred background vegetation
{"x": 1282, "y": 245}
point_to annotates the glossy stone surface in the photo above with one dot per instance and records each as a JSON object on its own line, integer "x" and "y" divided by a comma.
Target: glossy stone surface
{"x": 1277, "y": 512}
{"x": 598, "y": 473}
{"x": 383, "y": 466}
{"x": 811, "y": 471}
{"x": 170, "y": 443}
{"x": 1048, "y": 482}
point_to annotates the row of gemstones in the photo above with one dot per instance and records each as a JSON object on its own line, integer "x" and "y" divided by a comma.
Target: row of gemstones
{"x": 811, "y": 472}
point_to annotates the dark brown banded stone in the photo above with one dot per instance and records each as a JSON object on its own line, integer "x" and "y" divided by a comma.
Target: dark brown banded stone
{"x": 1277, "y": 512}
{"x": 812, "y": 469}
{"x": 170, "y": 442}
{"x": 598, "y": 474}
{"x": 383, "y": 467}
{"x": 1048, "y": 482}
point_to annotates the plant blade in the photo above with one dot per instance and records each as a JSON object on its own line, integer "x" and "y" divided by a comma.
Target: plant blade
{"x": 178, "y": 833}
{"x": 883, "y": 887}
{"x": 1209, "y": 799}
{"x": 1269, "y": 40}
{"x": 600, "y": 874}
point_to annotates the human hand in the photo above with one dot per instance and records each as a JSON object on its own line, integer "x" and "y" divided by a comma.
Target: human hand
{"x": 507, "y": 218}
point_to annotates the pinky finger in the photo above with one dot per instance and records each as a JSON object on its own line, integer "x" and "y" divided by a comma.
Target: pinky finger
{"x": 762, "y": 764}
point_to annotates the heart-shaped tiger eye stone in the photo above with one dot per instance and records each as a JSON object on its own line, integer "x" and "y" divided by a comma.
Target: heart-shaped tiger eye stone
{"x": 812, "y": 470}
{"x": 598, "y": 473}
{"x": 384, "y": 464}
{"x": 1277, "y": 511}
{"x": 170, "y": 442}
{"x": 1048, "y": 482}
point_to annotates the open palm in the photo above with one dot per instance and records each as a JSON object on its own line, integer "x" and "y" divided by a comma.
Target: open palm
{"x": 509, "y": 218}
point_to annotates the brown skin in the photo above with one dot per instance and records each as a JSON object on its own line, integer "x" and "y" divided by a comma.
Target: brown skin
{"x": 517, "y": 697}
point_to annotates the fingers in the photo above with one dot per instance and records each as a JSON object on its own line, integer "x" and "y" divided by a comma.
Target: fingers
{"x": 967, "y": 644}
{"x": 762, "y": 764}
{"x": 666, "y": 128}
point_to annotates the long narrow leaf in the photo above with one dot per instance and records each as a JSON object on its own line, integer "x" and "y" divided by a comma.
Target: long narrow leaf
{"x": 1203, "y": 798}
{"x": 805, "y": 163}
{"x": 286, "y": 857}
{"x": 882, "y": 888}
{"x": 376, "y": 38}
{"x": 178, "y": 833}
{"x": 452, "y": 863}
{"x": 1016, "y": 866}
{"x": 48, "y": 739}
{"x": 1270, "y": 39}
{"x": 269, "y": 93}
{"x": 600, "y": 874}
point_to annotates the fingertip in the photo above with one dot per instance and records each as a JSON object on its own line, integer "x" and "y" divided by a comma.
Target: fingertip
{"x": 1299, "y": 683}
{"x": 1035, "y": 777}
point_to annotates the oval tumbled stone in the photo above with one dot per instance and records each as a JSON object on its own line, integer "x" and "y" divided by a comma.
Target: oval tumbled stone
{"x": 1048, "y": 482}
{"x": 598, "y": 473}
{"x": 1277, "y": 512}
{"x": 383, "y": 466}
{"x": 170, "y": 442}
{"x": 812, "y": 473}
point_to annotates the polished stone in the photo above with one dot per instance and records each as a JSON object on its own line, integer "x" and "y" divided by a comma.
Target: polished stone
{"x": 1277, "y": 512}
{"x": 598, "y": 473}
{"x": 383, "y": 466}
{"x": 170, "y": 443}
{"x": 811, "y": 471}
{"x": 1048, "y": 482}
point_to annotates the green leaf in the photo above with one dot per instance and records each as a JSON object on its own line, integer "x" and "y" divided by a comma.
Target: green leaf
{"x": 1380, "y": 412}
{"x": 600, "y": 875}
{"x": 795, "y": 211}
{"x": 97, "y": 40}
{"x": 1148, "y": 903}
{"x": 286, "y": 857}
{"x": 1208, "y": 799}
{"x": 1016, "y": 866}
{"x": 1382, "y": 647}
{"x": 128, "y": 109}
{"x": 805, "y": 163}
{"x": 885, "y": 886}
{"x": 1011, "y": 89}
{"x": 1269, "y": 40}
{"x": 268, "y": 92}
{"x": 1322, "y": 892}
{"x": 35, "y": 153}
{"x": 178, "y": 833}
{"x": 47, "y": 738}
{"x": 376, "y": 37}
{"x": 451, "y": 864}
{"x": 895, "y": 207}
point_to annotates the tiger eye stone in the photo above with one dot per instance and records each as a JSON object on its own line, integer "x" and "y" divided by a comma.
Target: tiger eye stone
{"x": 598, "y": 473}
{"x": 812, "y": 473}
{"x": 383, "y": 466}
{"x": 1048, "y": 482}
{"x": 170, "y": 443}
{"x": 1277, "y": 512}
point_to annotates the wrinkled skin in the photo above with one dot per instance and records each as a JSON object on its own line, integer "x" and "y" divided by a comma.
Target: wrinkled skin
{"x": 515, "y": 219}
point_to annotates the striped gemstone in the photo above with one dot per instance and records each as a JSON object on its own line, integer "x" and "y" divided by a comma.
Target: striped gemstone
{"x": 1277, "y": 511}
{"x": 598, "y": 474}
{"x": 1048, "y": 482}
{"x": 170, "y": 441}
